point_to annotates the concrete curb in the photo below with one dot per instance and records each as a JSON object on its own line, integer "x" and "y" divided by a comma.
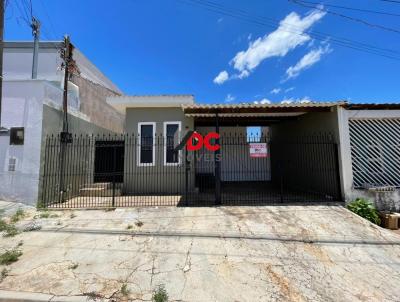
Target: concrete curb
{"x": 14, "y": 296}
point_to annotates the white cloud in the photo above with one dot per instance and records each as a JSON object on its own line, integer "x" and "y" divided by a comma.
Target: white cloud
{"x": 289, "y": 89}
{"x": 243, "y": 74}
{"x": 307, "y": 61}
{"x": 311, "y": 43}
{"x": 285, "y": 38}
{"x": 222, "y": 77}
{"x": 303, "y": 100}
{"x": 263, "y": 101}
{"x": 275, "y": 91}
{"x": 229, "y": 98}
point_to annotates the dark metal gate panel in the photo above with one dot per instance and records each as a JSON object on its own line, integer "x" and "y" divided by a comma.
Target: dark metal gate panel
{"x": 109, "y": 161}
{"x": 302, "y": 170}
{"x": 307, "y": 170}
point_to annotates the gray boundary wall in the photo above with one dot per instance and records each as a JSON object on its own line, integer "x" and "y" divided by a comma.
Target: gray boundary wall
{"x": 383, "y": 201}
{"x": 52, "y": 125}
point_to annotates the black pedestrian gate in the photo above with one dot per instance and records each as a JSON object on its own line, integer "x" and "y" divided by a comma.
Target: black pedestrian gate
{"x": 109, "y": 161}
{"x": 110, "y": 171}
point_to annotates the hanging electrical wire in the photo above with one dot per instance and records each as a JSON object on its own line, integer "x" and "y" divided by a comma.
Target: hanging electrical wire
{"x": 393, "y": 1}
{"x": 23, "y": 14}
{"x": 51, "y": 25}
{"x": 273, "y": 23}
{"x": 320, "y": 8}
{"x": 353, "y": 9}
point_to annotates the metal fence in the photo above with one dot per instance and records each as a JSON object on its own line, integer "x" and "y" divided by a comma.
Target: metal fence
{"x": 375, "y": 152}
{"x": 129, "y": 170}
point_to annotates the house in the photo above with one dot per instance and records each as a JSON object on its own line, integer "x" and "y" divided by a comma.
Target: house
{"x": 32, "y": 110}
{"x": 310, "y": 151}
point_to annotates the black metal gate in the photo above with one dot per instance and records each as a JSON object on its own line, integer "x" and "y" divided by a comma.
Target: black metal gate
{"x": 106, "y": 171}
{"x": 109, "y": 161}
{"x": 298, "y": 170}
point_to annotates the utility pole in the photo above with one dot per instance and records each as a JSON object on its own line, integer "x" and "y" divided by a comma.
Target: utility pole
{"x": 70, "y": 67}
{"x": 1, "y": 52}
{"x": 65, "y": 136}
{"x": 67, "y": 59}
{"x": 35, "y": 25}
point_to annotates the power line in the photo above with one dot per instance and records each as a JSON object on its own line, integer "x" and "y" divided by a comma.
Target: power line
{"x": 27, "y": 7}
{"x": 301, "y": 3}
{"x": 52, "y": 28}
{"x": 393, "y": 1}
{"x": 317, "y": 35}
{"x": 354, "y": 9}
{"x": 6, "y": 7}
{"x": 23, "y": 13}
{"x": 264, "y": 21}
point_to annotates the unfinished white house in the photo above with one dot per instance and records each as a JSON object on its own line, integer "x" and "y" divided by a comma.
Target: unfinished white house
{"x": 31, "y": 110}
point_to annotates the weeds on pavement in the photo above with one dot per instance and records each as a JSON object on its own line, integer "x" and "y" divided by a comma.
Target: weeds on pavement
{"x": 3, "y": 274}
{"x": 73, "y": 266}
{"x": 125, "y": 290}
{"x": 10, "y": 256}
{"x": 3, "y": 225}
{"x": 18, "y": 215}
{"x": 9, "y": 229}
{"x": 40, "y": 204}
{"x": 160, "y": 295}
{"x": 46, "y": 214}
{"x": 138, "y": 223}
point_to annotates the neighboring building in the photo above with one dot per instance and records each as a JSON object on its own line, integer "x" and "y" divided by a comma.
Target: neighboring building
{"x": 313, "y": 151}
{"x": 370, "y": 153}
{"x": 32, "y": 109}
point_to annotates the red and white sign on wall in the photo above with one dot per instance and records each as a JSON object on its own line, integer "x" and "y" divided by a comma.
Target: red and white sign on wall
{"x": 258, "y": 150}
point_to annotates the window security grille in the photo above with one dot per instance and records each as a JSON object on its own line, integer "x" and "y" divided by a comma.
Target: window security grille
{"x": 375, "y": 152}
{"x": 12, "y": 162}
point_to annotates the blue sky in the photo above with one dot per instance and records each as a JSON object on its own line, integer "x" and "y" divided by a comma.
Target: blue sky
{"x": 181, "y": 46}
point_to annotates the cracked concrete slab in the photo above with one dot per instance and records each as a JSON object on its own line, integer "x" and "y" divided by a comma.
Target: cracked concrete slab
{"x": 268, "y": 253}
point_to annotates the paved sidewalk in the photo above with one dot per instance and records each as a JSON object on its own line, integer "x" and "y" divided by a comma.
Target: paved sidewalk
{"x": 269, "y": 253}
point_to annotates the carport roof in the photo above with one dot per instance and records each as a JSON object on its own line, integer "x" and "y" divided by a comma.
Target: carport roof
{"x": 249, "y": 108}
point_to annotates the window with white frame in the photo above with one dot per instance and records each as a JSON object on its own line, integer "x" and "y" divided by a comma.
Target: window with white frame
{"x": 172, "y": 132}
{"x": 146, "y": 152}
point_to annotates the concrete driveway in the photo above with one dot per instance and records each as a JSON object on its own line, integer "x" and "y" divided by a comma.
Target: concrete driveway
{"x": 269, "y": 253}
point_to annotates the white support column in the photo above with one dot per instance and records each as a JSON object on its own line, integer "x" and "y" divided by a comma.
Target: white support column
{"x": 346, "y": 172}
